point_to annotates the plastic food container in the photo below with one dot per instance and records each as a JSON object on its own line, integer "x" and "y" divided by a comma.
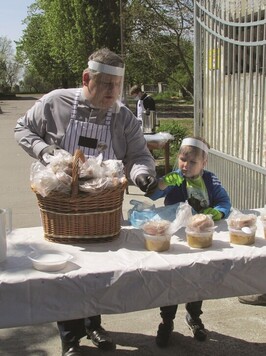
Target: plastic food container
{"x": 49, "y": 260}
{"x": 263, "y": 220}
{"x": 158, "y": 243}
{"x": 264, "y": 227}
{"x": 198, "y": 239}
{"x": 244, "y": 236}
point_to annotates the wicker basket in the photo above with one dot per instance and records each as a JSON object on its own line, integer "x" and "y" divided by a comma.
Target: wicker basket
{"x": 82, "y": 217}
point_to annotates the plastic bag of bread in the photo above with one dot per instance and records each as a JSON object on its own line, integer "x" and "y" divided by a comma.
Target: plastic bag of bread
{"x": 237, "y": 220}
{"x": 157, "y": 227}
{"x": 95, "y": 175}
{"x": 242, "y": 227}
{"x": 201, "y": 222}
{"x": 199, "y": 231}
{"x": 156, "y": 235}
{"x": 95, "y": 167}
{"x": 97, "y": 185}
{"x": 60, "y": 162}
{"x": 44, "y": 180}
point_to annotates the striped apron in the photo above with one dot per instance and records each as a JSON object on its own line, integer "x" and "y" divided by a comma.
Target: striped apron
{"x": 84, "y": 134}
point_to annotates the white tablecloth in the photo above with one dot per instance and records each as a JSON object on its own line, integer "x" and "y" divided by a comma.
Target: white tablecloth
{"x": 122, "y": 276}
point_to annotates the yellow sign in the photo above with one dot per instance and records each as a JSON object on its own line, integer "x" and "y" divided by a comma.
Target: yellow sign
{"x": 214, "y": 59}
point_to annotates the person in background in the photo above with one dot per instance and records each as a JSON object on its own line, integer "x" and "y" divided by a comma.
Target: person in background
{"x": 204, "y": 192}
{"x": 93, "y": 119}
{"x": 144, "y": 102}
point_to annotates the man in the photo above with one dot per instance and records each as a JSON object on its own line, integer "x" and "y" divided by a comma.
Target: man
{"x": 93, "y": 119}
{"x": 144, "y": 102}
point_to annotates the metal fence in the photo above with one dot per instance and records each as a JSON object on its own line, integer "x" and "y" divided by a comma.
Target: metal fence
{"x": 230, "y": 93}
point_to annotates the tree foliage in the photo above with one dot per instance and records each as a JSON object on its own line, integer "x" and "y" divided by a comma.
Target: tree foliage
{"x": 9, "y": 67}
{"x": 33, "y": 82}
{"x": 153, "y": 36}
{"x": 60, "y": 35}
{"x": 159, "y": 42}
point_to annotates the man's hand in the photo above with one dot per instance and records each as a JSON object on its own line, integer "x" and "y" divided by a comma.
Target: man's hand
{"x": 216, "y": 214}
{"x": 173, "y": 178}
{"x": 50, "y": 150}
{"x": 146, "y": 183}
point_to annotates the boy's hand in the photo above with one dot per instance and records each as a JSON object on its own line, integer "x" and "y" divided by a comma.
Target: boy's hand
{"x": 173, "y": 178}
{"x": 216, "y": 214}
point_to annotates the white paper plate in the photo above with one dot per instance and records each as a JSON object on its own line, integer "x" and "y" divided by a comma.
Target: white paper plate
{"x": 49, "y": 260}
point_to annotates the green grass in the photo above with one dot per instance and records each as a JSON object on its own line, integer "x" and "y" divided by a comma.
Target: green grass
{"x": 188, "y": 124}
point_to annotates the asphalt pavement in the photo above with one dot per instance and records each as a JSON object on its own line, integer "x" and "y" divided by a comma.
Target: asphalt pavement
{"x": 234, "y": 329}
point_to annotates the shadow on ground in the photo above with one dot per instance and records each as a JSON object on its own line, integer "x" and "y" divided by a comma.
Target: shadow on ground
{"x": 29, "y": 341}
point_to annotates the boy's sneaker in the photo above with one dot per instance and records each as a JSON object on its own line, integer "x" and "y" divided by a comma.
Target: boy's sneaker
{"x": 197, "y": 328}
{"x": 163, "y": 334}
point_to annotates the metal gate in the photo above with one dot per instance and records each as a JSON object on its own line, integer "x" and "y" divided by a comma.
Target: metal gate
{"x": 230, "y": 93}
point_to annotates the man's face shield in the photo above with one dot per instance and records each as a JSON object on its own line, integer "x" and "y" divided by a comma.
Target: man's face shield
{"x": 106, "y": 84}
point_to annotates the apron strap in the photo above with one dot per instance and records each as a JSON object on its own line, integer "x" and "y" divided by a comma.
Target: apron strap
{"x": 75, "y": 104}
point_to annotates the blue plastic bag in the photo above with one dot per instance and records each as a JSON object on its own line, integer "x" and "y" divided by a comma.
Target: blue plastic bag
{"x": 142, "y": 212}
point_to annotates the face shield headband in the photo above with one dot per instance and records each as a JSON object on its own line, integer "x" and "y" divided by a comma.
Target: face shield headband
{"x": 105, "y": 68}
{"x": 196, "y": 143}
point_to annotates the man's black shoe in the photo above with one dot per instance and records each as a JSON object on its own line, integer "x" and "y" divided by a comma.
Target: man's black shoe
{"x": 71, "y": 349}
{"x": 163, "y": 334}
{"x": 197, "y": 328}
{"x": 100, "y": 338}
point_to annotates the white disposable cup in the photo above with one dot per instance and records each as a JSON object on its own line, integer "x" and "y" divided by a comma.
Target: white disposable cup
{"x": 5, "y": 228}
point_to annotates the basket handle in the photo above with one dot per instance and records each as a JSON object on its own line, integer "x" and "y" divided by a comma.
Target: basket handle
{"x": 78, "y": 156}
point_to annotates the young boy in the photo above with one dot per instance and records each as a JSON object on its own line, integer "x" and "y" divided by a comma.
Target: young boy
{"x": 205, "y": 194}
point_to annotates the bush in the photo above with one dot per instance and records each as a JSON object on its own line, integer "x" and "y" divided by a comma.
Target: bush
{"x": 166, "y": 95}
{"x": 178, "y": 131}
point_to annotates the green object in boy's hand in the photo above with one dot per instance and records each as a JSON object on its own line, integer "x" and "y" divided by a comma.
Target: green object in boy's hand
{"x": 216, "y": 214}
{"x": 173, "y": 178}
